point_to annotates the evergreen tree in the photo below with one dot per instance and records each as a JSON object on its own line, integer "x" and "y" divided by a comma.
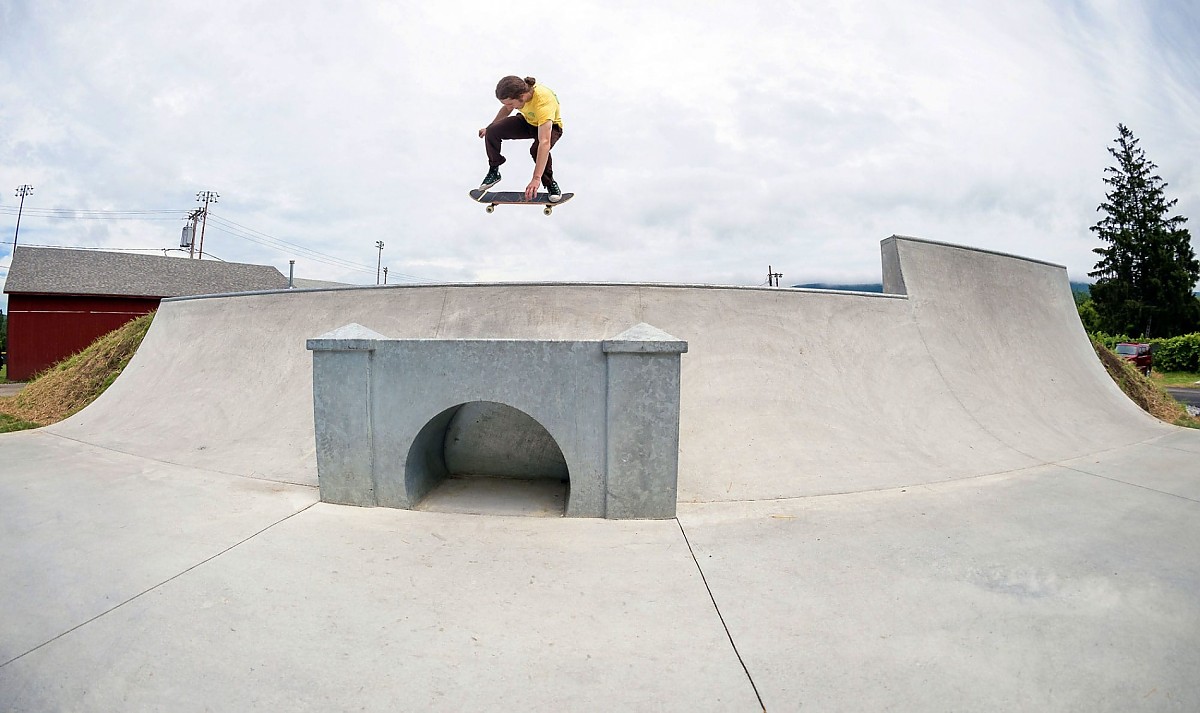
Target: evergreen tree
{"x": 1147, "y": 269}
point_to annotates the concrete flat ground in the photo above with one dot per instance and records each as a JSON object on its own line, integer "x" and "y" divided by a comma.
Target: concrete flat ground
{"x": 884, "y": 505}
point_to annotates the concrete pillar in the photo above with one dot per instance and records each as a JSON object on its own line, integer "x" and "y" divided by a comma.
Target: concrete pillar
{"x": 342, "y": 410}
{"x": 643, "y": 423}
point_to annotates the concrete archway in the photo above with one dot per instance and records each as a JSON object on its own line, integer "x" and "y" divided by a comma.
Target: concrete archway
{"x": 611, "y": 405}
{"x": 487, "y": 457}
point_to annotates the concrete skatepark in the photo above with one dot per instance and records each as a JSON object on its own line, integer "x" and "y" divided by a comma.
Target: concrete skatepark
{"x": 932, "y": 499}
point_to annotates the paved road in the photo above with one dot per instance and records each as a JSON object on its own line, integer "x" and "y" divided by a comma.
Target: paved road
{"x": 1190, "y": 397}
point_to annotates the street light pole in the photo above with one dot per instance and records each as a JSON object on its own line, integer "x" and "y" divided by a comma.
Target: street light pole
{"x": 22, "y": 191}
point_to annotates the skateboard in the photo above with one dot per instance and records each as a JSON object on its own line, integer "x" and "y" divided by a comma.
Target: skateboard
{"x": 496, "y": 198}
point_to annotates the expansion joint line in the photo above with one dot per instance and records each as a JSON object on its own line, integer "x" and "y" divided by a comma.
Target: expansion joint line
{"x": 719, "y": 615}
{"x": 1126, "y": 482}
{"x": 110, "y": 449}
{"x": 437, "y": 331}
{"x": 166, "y": 581}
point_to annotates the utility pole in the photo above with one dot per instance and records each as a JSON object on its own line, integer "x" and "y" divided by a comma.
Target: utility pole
{"x": 207, "y": 197}
{"x": 378, "y": 244}
{"x": 194, "y": 216}
{"x": 385, "y": 275}
{"x": 773, "y": 277}
{"x": 22, "y": 191}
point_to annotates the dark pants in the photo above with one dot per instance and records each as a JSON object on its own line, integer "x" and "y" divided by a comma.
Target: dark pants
{"x": 515, "y": 127}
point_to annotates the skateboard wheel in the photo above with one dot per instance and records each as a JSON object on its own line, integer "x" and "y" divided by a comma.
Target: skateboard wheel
{"x": 491, "y": 209}
{"x": 547, "y": 210}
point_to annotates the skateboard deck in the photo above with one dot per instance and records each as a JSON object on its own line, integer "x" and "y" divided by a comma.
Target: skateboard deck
{"x": 495, "y": 198}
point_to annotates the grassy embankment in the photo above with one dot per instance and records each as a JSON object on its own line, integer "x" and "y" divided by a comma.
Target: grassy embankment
{"x": 1146, "y": 392}
{"x": 67, "y": 387}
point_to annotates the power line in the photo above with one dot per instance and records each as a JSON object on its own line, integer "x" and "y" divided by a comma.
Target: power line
{"x": 100, "y": 248}
{"x": 105, "y": 249}
{"x": 292, "y": 249}
{"x": 88, "y": 247}
{"x": 230, "y": 227}
{"x": 78, "y": 214}
{"x": 256, "y": 236}
{"x": 304, "y": 252}
{"x": 220, "y": 224}
{"x": 171, "y": 214}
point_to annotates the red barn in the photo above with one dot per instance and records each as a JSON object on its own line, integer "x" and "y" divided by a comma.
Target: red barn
{"x": 61, "y": 300}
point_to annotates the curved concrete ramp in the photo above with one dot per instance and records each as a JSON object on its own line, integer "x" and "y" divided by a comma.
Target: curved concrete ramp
{"x": 928, "y": 500}
{"x": 1004, "y": 336}
{"x": 980, "y": 366}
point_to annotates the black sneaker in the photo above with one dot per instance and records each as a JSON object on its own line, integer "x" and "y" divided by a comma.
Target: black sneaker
{"x": 491, "y": 179}
{"x": 554, "y": 191}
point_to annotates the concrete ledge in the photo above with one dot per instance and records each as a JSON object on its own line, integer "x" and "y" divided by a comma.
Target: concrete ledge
{"x": 643, "y": 338}
{"x": 352, "y": 337}
{"x": 383, "y": 409}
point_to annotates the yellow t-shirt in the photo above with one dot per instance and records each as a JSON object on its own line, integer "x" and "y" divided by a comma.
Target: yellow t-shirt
{"x": 542, "y": 107}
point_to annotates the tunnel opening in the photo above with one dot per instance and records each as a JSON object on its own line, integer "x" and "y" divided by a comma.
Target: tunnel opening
{"x": 487, "y": 458}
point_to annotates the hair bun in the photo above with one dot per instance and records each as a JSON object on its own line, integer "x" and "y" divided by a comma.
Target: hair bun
{"x": 530, "y": 81}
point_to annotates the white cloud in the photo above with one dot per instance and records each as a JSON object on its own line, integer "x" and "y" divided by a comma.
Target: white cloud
{"x": 705, "y": 140}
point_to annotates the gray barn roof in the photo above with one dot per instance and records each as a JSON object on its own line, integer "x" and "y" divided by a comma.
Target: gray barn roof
{"x": 57, "y": 271}
{"x": 301, "y": 283}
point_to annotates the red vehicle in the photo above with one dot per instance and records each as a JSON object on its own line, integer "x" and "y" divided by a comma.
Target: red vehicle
{"x": 1137, "y": 354}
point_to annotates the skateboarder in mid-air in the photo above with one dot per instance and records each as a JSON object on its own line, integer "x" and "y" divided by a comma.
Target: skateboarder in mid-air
{"x": 539, "y": 119}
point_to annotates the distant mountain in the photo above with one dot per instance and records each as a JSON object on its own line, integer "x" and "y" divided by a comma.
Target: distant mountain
{"x": 1084, "y": 287}
{"x": 869, "y": 287}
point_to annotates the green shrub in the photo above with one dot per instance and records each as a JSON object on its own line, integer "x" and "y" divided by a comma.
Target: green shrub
{"x": 1087, "y": 313}
{"x": 1180, "y": 353}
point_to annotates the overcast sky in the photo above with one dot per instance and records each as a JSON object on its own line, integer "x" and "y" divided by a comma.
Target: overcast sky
{"x": 705, "y": 140}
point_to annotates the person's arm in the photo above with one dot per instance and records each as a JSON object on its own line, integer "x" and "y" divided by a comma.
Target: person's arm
{"x": 504, "y": 112}
{"x": 543, "y": 155}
